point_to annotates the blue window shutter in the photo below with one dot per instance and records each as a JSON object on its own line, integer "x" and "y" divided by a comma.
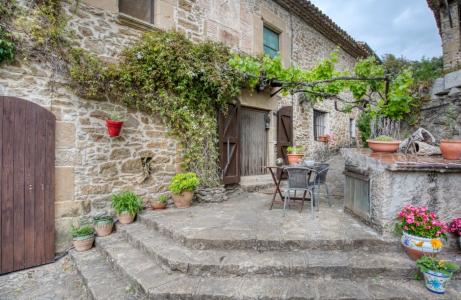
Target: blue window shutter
{"x": 271, "y": 42}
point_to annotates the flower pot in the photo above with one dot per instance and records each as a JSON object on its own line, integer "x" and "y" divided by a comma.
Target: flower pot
{"x": 324, "y": 138}
{"x": 381, "y": 146}
{"x": 451, "y": 149}
{"x": 114, "y": 127}
{"x": 416, "y": 246}
{"x": 183, "y": 200}
{"x": 436, "y": 282}
{"x": 294, "y": 158}
{"x": 126, "y": 218}
{"x": 103, "y": 228}
{"x": 158, "y": 205}
{"x": 83, "y": 243}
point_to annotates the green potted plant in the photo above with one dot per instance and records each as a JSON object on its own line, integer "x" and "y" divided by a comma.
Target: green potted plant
{"x": 103, "y": 224}
{"x": 384, "y": 143}
{"x": 295, "y": 154}
{"x": 161, "y": 202}
{"x": 114, "y": 124}
{"x": 82, "y": 237}
{"x": 126, "y": 205}
{"x": 436, "y": 273}
{"x": 182, "y": 186}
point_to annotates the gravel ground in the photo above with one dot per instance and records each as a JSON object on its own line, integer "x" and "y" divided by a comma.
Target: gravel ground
{"x": 58, "y": 280}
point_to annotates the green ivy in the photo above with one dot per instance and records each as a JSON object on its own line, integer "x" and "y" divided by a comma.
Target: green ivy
{"x": 7, "y": 46}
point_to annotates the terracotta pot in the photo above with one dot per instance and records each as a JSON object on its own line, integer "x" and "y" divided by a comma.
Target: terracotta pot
{"x": 158, "y": 205}
{"x": 294, "y": 158}
{"x": 183, "y": 200}
{"x": 103, "y": 228}
{"x": 324, "y": 138}
{"x": 451, "y": 149}
{"x": 126, "y": 218}
{"x": 381, "y": 146}
{"x": 114, "y": 127}
{"x": 83, "y": 243}
{"x": 416, "y": 246}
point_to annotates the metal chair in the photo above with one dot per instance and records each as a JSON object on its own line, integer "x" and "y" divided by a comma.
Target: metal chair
{"x": 321, "y": 179}
{"x": 299, "y": 180}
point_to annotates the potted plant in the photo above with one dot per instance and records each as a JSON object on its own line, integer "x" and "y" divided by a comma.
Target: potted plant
{"x": 114, "y": 124}
{"x": 421, "y": 231}
{"x": 451, "y": 149}
{"x": 324, "y": 138}
{"x": 437, "y": 273}
{"x": 103, "y": 225}
{"x": 182, "y": 187}
{"x": 295, "y": 154}
{"x": 384, "y": 143}
{"x": 82, "y": 237}
{"x": 455, "y": 227}
{"x": 161, "y": 202}
{"x": 126, "y": 205}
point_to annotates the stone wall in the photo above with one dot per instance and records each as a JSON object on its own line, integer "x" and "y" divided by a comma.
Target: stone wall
{"x": 451, "y": 37}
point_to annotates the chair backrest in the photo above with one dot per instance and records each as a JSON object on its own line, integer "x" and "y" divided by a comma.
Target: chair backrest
{"x": 321, "y": 174}
{"x": 298, "y": 177}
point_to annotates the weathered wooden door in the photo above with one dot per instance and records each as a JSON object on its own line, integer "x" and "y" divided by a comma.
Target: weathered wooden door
{"x": 284, "y": 132}
{"x": 253, "y": 142}
{"x": 27, "y": 134}
{"x": 229, "y": 130}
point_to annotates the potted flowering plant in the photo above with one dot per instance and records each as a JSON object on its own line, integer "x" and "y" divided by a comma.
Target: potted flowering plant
{"x": 161, "y": 202}
{"x": 295, "y": 154}
{"x": 455, "y": 227}
{"x": 82, "y": 237}
{"x": 126, "y": 205}
{"x": 437, "y": 273}
{"x": 421, "y": 231}
{"x": 114, "y": 124}
{"x": 182, "y": 187}
{"x": 103, "y": 224}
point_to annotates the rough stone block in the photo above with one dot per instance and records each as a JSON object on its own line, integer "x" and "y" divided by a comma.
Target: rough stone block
{"x": 65, "y": 135}
{"x": 64, "y": 188}
{"x": 453, "y": 79}
{"x": 62, "y": 233}
{"x": 438, "y": 88}
{"x": 71, "y": 209}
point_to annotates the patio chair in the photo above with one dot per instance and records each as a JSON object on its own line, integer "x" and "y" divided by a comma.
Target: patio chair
{"x": 299, "y": 181}
{"x": 322, "y": 171}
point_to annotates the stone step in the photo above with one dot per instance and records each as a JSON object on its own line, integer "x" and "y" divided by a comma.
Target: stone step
{"x": 157, "y": 283}
{"x": 102, "y": 282}
{"x": 209, "y": 239}
{"x": 306, "y": 263}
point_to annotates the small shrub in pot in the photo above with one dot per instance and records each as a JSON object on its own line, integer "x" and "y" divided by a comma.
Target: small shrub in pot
{"x": 126, "y": 205}
{"x": 182, "y": 186}
{"x": 103, "y": 225}
{"x": 161, "y": 202}
{"x": 82, "y": 237}
{"x": 295, "y": 154}
{"x": 437, "y": 273}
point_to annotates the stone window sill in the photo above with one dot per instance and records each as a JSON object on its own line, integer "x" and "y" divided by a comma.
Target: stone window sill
{"x": 135, "y": 23}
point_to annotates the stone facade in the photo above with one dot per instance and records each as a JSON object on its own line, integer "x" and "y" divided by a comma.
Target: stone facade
{"x": 90, "y": 166}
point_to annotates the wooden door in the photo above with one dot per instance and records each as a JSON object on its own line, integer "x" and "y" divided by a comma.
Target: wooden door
{"x": 229, "y": 134}
{"x": 253, "y": 142}
{"x": 27, "y": 133}
{"x": 284, "y": 132}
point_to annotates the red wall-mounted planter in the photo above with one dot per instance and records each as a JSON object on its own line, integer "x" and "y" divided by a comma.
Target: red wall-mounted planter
{"x": 114, "y": 127}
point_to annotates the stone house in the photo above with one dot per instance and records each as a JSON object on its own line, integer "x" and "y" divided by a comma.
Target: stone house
{"x": 90, "y": 166}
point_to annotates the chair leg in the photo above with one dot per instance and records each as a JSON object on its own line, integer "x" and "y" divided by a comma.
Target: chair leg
{"x": 328, "y": 194}
{"x": 302, "y": 203}
{"x": 287, "y": 197}
{"x": 312, "y": 203}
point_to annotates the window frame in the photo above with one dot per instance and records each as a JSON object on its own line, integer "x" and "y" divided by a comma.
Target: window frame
{"x": 271, "y": 29}
{"x": 152, "y": 7}
{"x": 321, "y": 116}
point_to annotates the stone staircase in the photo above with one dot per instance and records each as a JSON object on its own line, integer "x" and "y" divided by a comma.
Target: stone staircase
{"x": 150, "y": 260}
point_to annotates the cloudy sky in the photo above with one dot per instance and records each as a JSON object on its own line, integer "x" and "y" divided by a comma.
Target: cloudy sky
{"x": 401, "y": 27}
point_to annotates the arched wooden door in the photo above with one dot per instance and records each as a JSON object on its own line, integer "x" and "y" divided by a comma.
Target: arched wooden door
{"x": 27, "y": 154}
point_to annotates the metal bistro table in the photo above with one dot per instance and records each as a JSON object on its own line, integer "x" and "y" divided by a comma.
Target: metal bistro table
{"x": 273, "y": 170}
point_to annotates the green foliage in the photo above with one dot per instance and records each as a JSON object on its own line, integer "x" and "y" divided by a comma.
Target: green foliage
{"x": 183, "y": 182}
{"x": 427, "y": 263}
{"x": 166, "y": 75}
{"x": 363, "y": 124}
{"x": 116, "y": 116}
{"x": 126, "y": 202}
{"x": 7, "y": 46}
{"x": 163, "y": 199}
{"x": 81, "y": 231}
{"x": 384, "y": 138}
{"x": 295, "y": 149}
{"x": 103, "y": 219}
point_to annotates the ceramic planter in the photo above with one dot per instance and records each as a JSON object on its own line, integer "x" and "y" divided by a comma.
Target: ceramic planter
{"x": 83, "y": 243}
{"x": 114, "y": 127}
{"x": 126, "y": 218}
{"x": 381, "y": 146}
{"x": 294, "y": 158}
{"x": 103, "y": 228}
{"x": 436, "y": 282}
{"x": 416, "y": 246}
{"x": 183, "y": 200}
{"x": 158, "y": 205}
{"x": 451, "y": 149}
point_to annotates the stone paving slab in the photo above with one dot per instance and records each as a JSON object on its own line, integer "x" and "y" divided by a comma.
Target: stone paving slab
{"x": 158, "y": 283}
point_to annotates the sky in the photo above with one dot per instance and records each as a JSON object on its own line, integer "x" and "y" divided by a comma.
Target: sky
{"x": 401, "y": 27}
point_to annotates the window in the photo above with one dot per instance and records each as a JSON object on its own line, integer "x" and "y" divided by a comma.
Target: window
{"x": 271, "y": 42}
{"x": 352, "y": 128}
{"x": 320, "y": 119}
{"x": 139, "y": 9}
